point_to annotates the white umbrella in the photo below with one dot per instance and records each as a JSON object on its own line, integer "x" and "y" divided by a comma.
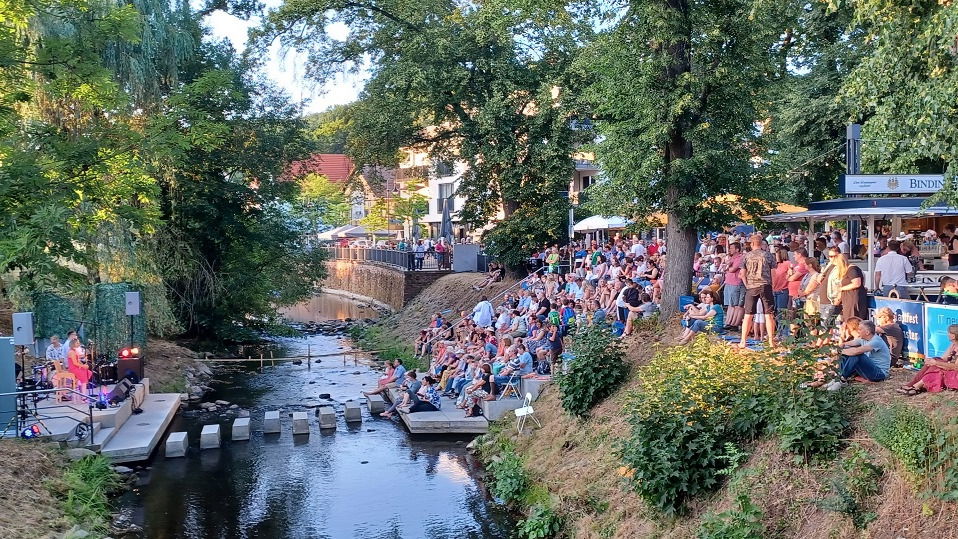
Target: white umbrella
{"x": 599, "y": 222}
{"x": 331, "y": 233}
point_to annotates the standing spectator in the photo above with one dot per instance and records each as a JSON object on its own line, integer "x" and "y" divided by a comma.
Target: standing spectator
{"x": 780, "y": 278}
{"x": 854, "y": 296}
{"x": 757, "y": 275}
{"x": 892, "y": 270}
{"x": 734, "y": 287}
{"x": 420, "y": 254}
{"x": 952, "y": 248}
{"x": 482, "y": 313}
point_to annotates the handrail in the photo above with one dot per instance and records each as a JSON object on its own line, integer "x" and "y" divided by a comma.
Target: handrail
{"x": 497, "y": 296}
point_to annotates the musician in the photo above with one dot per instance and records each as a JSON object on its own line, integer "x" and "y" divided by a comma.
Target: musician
{"x": 79, "y": 368}
{"x": 56, "y": 351}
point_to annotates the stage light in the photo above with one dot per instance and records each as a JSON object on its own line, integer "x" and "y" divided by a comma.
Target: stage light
{"x": 30, "y": 432}
{"x": 135, "y": 351}
{"x": 125, "y": 352}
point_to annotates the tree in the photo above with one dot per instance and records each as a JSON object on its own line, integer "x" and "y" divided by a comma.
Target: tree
{"x": 412, "y": 208}
{"x": 321, "y": 202}
{"x": 677, "y": 89}
{"x": 483, "y": 83}
{"x": 905, "y": 91}
{"x": 329, "y": 129}
{"x": 377, "y": 218}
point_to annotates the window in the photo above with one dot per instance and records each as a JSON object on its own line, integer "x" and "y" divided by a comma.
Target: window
{"x": 446, "y": 190}
{"x": 445, "y": 168}
{"x": 587, "y": 181}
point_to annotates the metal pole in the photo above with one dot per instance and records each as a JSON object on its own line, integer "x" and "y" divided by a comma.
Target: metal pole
{"x": 309, "y": 359}
{"x": 272, "y": 361}
{"x": 92, "y": 432}
{"x": 870, "y": 276}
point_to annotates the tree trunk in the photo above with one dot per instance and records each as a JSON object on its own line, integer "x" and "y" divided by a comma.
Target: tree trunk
{"x": 677, "y": 281}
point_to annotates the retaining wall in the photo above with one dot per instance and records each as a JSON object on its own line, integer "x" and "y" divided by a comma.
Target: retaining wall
{"x": 387, "y": 284}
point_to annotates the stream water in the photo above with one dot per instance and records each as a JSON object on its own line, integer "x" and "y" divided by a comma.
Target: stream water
{"x": 369, "y": 480}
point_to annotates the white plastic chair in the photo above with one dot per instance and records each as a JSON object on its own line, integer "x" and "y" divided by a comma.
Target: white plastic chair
{"x": 524, "y": 413}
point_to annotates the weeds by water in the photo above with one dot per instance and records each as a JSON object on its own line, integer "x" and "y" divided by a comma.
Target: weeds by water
{"x": 84, "y": 488}
{"x": 389, "y": 348}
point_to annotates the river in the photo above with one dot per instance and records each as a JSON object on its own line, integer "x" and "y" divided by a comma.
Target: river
{"x": 369, "y": 480}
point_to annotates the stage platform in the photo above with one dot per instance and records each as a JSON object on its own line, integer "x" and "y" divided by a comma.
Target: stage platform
{"x": 448, "y": 420}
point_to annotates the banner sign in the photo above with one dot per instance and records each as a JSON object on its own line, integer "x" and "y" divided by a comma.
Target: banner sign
{"x": 937, "y": 320}
{"x": 890, "y": 184}
{"x": 911, "y": 316}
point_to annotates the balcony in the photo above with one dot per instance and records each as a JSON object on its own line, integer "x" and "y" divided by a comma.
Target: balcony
{"x": 585, "y": 164}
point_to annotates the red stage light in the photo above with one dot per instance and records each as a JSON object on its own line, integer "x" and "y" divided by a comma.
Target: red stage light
{"x": 125, "y": 352}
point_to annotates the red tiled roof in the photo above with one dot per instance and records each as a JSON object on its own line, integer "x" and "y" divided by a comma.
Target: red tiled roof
{"x": 336, "y": 167}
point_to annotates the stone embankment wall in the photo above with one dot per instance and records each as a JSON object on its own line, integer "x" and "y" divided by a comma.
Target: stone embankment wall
{"x": 387, "y": 284}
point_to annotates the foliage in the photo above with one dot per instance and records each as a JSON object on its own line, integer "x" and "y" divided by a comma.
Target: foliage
{"x": 853, "y": 488}
{"x": 321, "y": 202}
{"x": 597, "y": 370}
{"x": 376, "y": 337}
{"x": 329, "y": 129}
{"x": 542, "y": 523}
{"x": 944, "y": 454}
{"x": 677, "y": 89}
{"x": 814, "y": 422}
{"x": 904, "y": 90}
{"x": 377, "y": 218}
{"x": 484, "y": 83}
{"x": 745, "y": 522}
{"x": 696, "y": 399}
{"x": 509, "y": 478}
{"x": 906, "y": 432}
{"x": 84, "y": 489}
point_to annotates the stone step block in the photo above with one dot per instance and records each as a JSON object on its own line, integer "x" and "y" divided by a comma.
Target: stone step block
{"x": 241, "y": 428}
{"x": 210, "y": 437}
{"x": 327, "y": 417}
{"x": 376, "y": 404}
{"x": 300, "y": 423}
{"x": 532, "y": 386}
{"x": 353, "y": 412}
{"x": 176, "y": 445}
{"x": 271, "y": 422}
{"x": 493, "y": 410}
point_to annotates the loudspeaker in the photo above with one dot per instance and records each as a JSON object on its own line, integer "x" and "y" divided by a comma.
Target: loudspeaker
{"x": 23, "y": 329}
{"x": 126, "y": 366}
{"x": 132, "y": 303}
{"x": 119, "y": 392}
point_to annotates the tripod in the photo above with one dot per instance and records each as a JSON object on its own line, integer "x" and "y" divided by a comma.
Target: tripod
{"x": 22, "y": 415}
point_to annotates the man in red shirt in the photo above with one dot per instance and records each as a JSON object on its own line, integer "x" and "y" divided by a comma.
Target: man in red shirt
{"x": 734, "y": 287}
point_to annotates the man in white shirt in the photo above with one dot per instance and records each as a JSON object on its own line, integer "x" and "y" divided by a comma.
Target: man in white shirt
{"x": 482, "y": 313}
{"x": 56, "y": 351}
{"x": 892, "y": 269}
{"x": 638, "y": 248}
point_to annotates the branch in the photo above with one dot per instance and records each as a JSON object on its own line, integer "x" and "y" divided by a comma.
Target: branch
{"x": 384, "y": 13}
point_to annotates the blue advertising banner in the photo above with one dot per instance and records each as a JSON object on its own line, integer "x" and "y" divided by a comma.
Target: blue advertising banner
{"x": 937, "y": 320}
{"x": 910, "y": 315}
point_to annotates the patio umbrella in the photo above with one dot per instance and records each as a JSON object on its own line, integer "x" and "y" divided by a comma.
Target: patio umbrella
{"x": 415, "y": 228}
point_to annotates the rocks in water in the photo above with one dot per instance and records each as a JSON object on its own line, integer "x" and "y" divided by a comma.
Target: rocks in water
{"x": 364, "y": 462}
{"x": 234, "y": 406}
{"x": 312, "y": 381}
{"x": 222, "y": 403}
{"x": 243, "y": 413}
{"x": 319, "y": 361}
{"x": 326, "y": 396}
{"x": 356, "y": 372}
{"x": 122, "y": 469}
{"x": 297, "y": 362}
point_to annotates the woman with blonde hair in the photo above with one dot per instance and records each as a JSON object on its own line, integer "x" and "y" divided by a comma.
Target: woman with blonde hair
{"x": 937, "y": 373}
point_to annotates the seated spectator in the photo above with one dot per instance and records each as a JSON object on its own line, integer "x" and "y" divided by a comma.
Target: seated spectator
{"x": 867, "y": 356}
{"x": 888, "y": 327}
{"x": 492, "y": 276}
{"x": 937, "y": 373}
{"x": 707, "y": 316}
{"x": 478, "y": 391}
{"x": 517, "y": 367}
{"x": 949, "y": 291}
{"x": 392, "y": 381}
{"x": 430, "y": 400}
{"x": 409, "y": 389}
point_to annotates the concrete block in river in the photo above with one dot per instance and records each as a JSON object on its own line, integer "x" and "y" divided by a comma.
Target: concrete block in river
{"x": 176, "y": 445}
{"x": 327, "y": 417}
{"x": 271, "y": 422}
{"x": 376, "y": 404}
{"x": 210, "y": 437}
{"x": 300, "y": 423}
{"x": 241, "y": 428}
{"x": 353, "y": 413}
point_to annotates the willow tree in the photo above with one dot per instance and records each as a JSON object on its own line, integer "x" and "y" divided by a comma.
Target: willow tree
{"x": 678, "y": 89}
{"x": 481, "y": 82}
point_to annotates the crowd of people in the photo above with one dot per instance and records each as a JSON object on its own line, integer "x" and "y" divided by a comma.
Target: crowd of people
{"x": 762, "y": 286}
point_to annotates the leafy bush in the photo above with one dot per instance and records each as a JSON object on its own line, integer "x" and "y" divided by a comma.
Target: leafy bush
{"x": 541, "y": 523}
{"x": 596, "y": 371}
{"x": 742, "y": 523}
{"x": 813, "y": 422}
{"x": 695, "y": 400}
{"x": 906, "y": 432}
{"x": 853, "y": 488}
{"x": 509, "y": 479}
{"x": 944, "y": 455}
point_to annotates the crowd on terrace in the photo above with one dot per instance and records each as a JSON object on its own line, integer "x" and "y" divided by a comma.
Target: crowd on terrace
{"x": 774, "y": 287}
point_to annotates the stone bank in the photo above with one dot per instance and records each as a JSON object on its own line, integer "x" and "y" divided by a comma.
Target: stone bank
{"x": 386, "y": 284}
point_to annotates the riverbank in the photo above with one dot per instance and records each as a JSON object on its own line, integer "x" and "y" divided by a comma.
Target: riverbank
{"x": 45, "y": 494}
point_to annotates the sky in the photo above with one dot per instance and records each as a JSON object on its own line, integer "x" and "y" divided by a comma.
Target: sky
{"x": 287, "y": 70}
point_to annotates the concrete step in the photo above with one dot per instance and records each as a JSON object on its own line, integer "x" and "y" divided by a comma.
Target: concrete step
{"x": 103, "y": 436}
{"x": 494, "y": 410}
{"x": 139, "y": 436}
{"x": 448, "y": 419}
{"x": 532, "y": 386}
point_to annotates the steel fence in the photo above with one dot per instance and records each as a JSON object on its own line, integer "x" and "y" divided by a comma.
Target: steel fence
{"x": 406, "y": 260}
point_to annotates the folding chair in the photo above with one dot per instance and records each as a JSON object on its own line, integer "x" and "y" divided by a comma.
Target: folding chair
{"x": 524, "y": 412}
{"x": 511, "y": 386}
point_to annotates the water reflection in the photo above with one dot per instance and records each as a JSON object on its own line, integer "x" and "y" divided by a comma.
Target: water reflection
{"x": 365, "y": 481}
{"x": 329, "y": 307}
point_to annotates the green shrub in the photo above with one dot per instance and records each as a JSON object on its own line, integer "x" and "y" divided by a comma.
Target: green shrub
{"x": 745, "y": 522}
{"x": 853, "y": 488}
{"x": 695, "y": 400}
{"x": 597, "y": 370}
{"x": 814, "y": 422}
{"x": 509, "y": 479}
{"x": 943, "y": 459}
{"x": 86, "y": 484}
{"x": 541, "y": 523}
{"x": 906, "y": 432}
